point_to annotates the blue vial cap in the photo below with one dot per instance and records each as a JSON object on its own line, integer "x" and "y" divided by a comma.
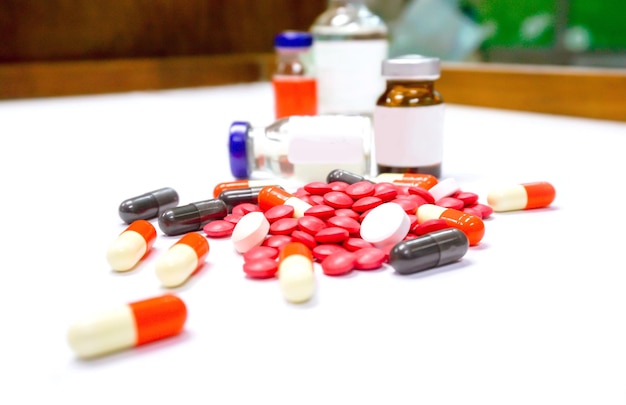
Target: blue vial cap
{"x": 293, "y": 39}
{"x": 238, "y": 149}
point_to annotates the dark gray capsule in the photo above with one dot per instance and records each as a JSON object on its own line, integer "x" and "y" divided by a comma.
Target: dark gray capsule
{"x": 427, "y": 251}
{"x": 149, "y": 205}
{"x": 191, "y": 217}
{"x": 345, "y": 176}
{"x": 236, "y": 196}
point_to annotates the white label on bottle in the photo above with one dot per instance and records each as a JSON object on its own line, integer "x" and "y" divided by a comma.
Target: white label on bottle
{"x": 408, "y": 136}
{"x": 348, "y": 74}
{"x": 327, "y": 139}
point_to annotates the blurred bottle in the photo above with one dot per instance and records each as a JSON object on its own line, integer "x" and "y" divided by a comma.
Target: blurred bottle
{"x": 295, "y": 89}
{"x": 350, "y": 43}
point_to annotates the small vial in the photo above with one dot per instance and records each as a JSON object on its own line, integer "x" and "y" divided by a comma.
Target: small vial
{"x": 131, "y": 245}
{"x": 428, "y": 251}
{"x": 301, "y": 149}
{"x": 472, "y": 226}
{"x": 422, "y": 180}
{"x": 182, "y": 259}
{"x": 349, "y": 44}
{"x": 149, "y": 205}
{"x": 191, "y": 217}
{"x": 295, "y": 88}
{"x": 237, "y": 184}
{"x": 127, "y": 326}
{"x": 408, "y": 118}
{"x": 295, "y": 272}
{"x": 344, "y": 176}
{"x": 523, "y": 196}
{"x": 238, "y": 196}
{"x": 271, "y": 196}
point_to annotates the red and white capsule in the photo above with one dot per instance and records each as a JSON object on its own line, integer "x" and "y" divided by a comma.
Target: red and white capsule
{"x": 271, "y": 196}
{"x": 176, "y": 265}
{"x": 472, "y": 226}
{"x": 422, "y": 180}
{"x": 127, "y": 326}
{"x": 523, "y": 196}
{"x": 131, "y": 245}
{"x": 295, "y": 272}
{"x": 237, "y": 184}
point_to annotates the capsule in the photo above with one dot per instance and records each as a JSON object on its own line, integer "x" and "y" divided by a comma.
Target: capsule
{"x": 295, "y": 272}
{"x": 472, "y": 226}
{"x": 271, "y": 196}
{"x": 237, "y": 184}
{"x": 182, "y": 259}
{"x": 422, "y": 180}
{"x": 524, "y": 196}
{"x": 127, "y": 326}
{"x": 191, "y": 217}
{"x": 131, "y": 245}
{"x": 234, "y": 197}
{"x": 149, "y": 205}
{"x": 431, "y": 250}
{"x": 344, "y": 176}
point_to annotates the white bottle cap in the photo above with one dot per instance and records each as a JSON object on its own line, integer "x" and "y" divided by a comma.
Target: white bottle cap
{"x": 411, "y": 67}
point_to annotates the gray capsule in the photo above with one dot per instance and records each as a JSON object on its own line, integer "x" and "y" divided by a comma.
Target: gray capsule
{"x": 345, "y": 176}
{"x": 428, "y": 251}
{"x": 191, "y": 217}
{"x": 148, "y": 205}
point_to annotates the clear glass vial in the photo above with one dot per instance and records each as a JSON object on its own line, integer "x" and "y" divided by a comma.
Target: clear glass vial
{"x": 350, "y": 43}
{"x": 301, "y": 148}
{"x": 408, "y": 118}
{"x": 294, "y": 86}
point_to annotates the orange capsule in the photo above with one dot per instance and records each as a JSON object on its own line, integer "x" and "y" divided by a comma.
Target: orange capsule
{"x": 422, "y": 180}
{"x": 524, "y": 196}
{"x": 176, "y": 265}
{"x": 127, "y": 326}
{"x": 131, "y": 245}
{"x": 271, "y": 196}
{"x": 472, "y": 226}
{"x": 237, "y": 184}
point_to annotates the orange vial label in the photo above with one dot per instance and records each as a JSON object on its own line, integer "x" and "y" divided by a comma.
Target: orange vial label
{"x": 294, "y": 96}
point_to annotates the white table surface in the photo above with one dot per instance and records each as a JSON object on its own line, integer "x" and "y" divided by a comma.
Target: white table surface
{"x": 533, "y": 315}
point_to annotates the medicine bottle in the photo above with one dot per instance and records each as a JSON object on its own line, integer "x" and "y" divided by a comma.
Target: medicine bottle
{"x": 301, "y": 148}
{"x": 408, "y": 118}
{"x": 349, "y": 44}
{"x": 295, "y": 88}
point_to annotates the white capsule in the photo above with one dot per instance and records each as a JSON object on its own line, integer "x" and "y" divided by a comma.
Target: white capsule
{"x": 131, "y": 245}
{"x": 181, "y": 260}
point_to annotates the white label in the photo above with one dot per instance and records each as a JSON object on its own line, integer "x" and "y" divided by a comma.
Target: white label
{"x": 348, "y": 74}
{"x": 328, "y": 139}
{"x": 408, "y": 136}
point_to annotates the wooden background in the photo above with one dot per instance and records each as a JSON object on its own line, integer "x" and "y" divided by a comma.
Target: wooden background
{"x": 70, "y": 47}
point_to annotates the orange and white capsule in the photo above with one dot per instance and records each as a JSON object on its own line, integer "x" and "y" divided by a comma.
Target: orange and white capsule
{"x": 472, "y": 226}
{"x": 422, "y": 180}
{"x": 295, "y": 272}
{"x": 127, "y": 326}
{"x": 237, "y": 184}
{"x": 181, "y": 260}
{"x": 523, "y": 196}
{"x": 131, "y": 245}
{"x": 271, "y": 196}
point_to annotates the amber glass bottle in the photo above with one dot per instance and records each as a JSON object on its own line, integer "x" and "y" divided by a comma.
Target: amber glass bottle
{"x": 408, "y": 118}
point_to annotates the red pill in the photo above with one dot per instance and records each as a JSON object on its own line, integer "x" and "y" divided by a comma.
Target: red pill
{"x": 354, "y": 244}
{"x": 318, "y": 188}
{"x": 450, "y": 202}
{"x": 338, "y": 199}
{"x": 219, "y": 228}
{"x": 429, "y": 226}
{"x": 467, "y": 198}
{"x": 369, "y": 258}
{"x": 305, "y": 238}
{"x": 360, "y": 189}
{"x": 338, "y": 185}
{"x": 346, "y": 212}
{"x": 408, "y": 205}
{"x": 321, "y": 252}
{"x": 385, "y": 191}
{"x": 366, "y": 203}
{"x": 278, "y": 212}
{"x": 232, "y": 218}
{"x": 332, "y": 234}
{"x": 261, "y": 268}
{"x": 260, "y": 252}
{"x": 425, "y": 194}
{"x": 245, "y": 208}
{"x": 284, "y": 226}
{"x": 339, "y": 263}
{"x": 484, "y": 210}
{"x": 320, "y": 211}
{"x": 311, "y": 224}
{"x": 277, "y": 241}
{"x": 350, "y": 224}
